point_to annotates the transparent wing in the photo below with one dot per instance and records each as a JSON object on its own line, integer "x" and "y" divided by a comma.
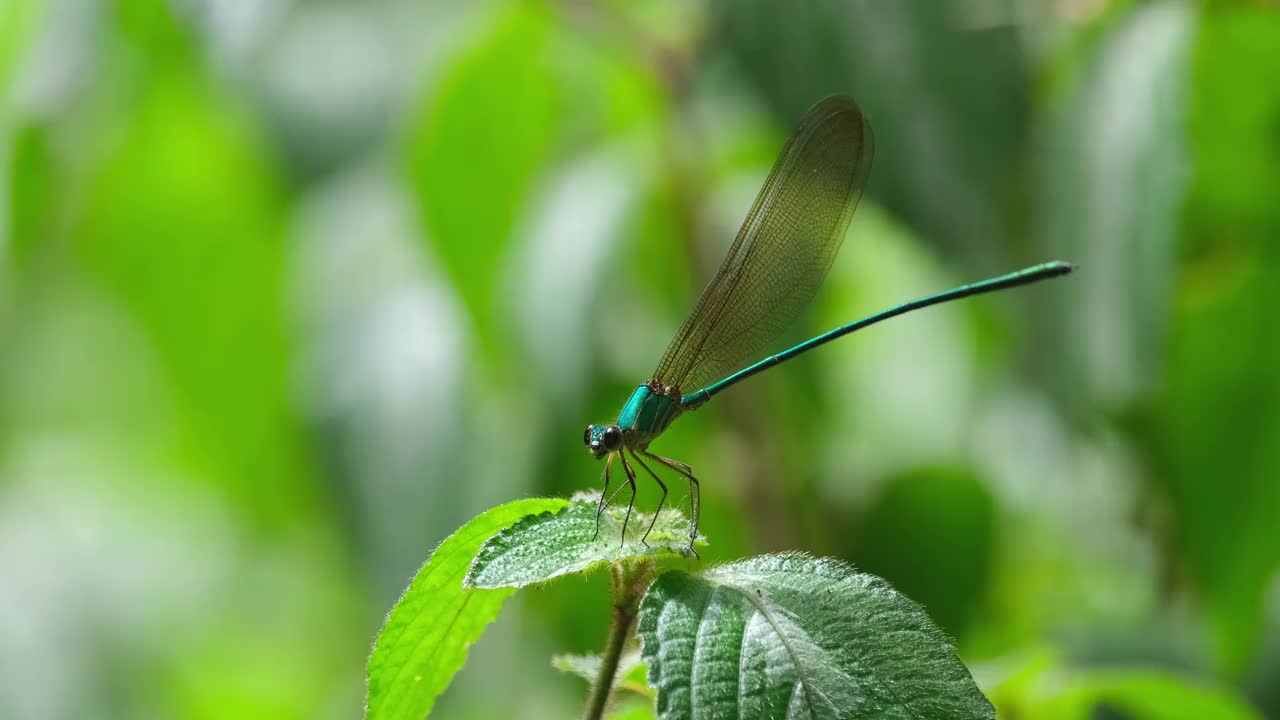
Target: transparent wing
{"x": 783, "y": 251}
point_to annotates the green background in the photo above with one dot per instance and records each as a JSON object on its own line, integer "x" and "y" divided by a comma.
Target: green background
{"x": 291, "y": 290}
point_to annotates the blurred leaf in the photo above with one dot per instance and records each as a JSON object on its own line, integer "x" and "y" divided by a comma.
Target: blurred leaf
{"x": 1144, "y": 695}
{"x": 1233, "y": 123}
{"x": 425, "y": 639}
{"x": 631, "y": 669}
{"x": 945, "y": 569}
{"x": 1221, "y": 421}
{"x": 1013, "y": 683}
{"x": 1113, "y": 180}
{"x": 1153, "y": 696}
{"x": 24, "y": 161}
{"x": 1219, "y": 414}
{"x": 18, "y": 19}
{"x": 482, "y": 139}
{"x": 184, "y": 223}
{"x": 876, "y": 428}
{"x": 32, "y": 193}
{"x": 634, "y": 675}
{"x": 1039, "y": 686}
{"x": 564, "y": 268}
{"x": 545, "y": 546}
{"x": 791, "y": 636}
{"x": 329, "y": 80}
{"x": 633, "y": 710}
{"x": 586, "y": 667}
{"x": 605, "y": 68}
{"x": 946, "y": 95}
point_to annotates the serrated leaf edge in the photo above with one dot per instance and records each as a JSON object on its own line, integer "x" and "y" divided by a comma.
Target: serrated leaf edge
{"x": 825, "y": 567}
{"x": 659, "y": 550}
{"x": 467, "y": 581}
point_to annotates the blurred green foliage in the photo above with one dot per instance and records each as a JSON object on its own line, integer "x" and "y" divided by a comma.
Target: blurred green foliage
{"x": 289, "y": 291}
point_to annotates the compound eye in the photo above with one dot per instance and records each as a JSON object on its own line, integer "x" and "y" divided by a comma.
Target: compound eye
{"x": 612, "y": 437}
{"x": 586, "y": 436}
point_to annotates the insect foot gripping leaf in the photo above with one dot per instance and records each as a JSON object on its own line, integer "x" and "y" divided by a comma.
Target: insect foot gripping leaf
{"x": 789, "y": 636}
{"x": 541, "y": 547}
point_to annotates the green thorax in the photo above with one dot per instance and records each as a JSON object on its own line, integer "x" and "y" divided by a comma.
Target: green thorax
{"x": 648, "y": 412}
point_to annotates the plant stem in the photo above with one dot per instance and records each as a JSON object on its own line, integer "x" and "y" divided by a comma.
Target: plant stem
{"x": 628, "y": 584}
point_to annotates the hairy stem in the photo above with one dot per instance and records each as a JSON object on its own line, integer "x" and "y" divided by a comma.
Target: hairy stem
{"x": 628, "y": 584}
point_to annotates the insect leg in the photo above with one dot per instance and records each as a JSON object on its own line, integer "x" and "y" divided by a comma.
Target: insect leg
{"x": 631, "y": 480}
{"x": 695, "y": 495}
{"x": 601, "y": 506}
{"x": 661, "y": 500}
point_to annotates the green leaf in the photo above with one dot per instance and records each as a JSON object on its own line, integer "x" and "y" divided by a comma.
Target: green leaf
{"x": 796, "y": 637}
{"x": 542, "y": 547}
{"x": 633, "y": 708}
{"x": 948, "y": 131}
{"x": 946, "y": 569}
{"x": 18, "y": 21}
{"x": 584, "y": 666}
{"x": 183, "y": 225}
{"x": 1039, "y": 685}
{"x": 632, "y": 698}
{"x": 425, "y": 639}
{"x": 1145, "y": 695}
{"x": 633, "y": 674}
{"x": 1111, "y": 191}
{"x": 482, "y": 139}
{"x": 1218, "y": 415}
{"x": 1232, "y": 126}
{"x": 631, "y": 669}
{"x": 32, "y": 196}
